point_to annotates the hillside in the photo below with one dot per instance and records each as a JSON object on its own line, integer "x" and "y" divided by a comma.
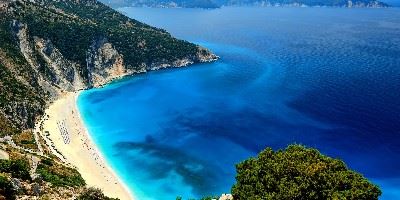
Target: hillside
{"x": 51, "y": 47}
{"x": 220, "y": 3}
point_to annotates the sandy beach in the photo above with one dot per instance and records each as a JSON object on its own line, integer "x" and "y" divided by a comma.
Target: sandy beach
{"x": 69, "y": 140}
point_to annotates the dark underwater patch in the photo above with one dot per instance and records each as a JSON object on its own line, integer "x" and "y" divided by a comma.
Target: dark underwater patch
{"x": 196, "y": 173}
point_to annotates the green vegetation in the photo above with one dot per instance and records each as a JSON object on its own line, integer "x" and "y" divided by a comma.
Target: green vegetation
{"x": 6, "y": 189}
{"x": 93, "y": 194}
{"x": 75, "y": 27}
{"x": 204, "y": 198}
{"x": 5, "y": 126}
{"x": 25, "y": 139}
{"x": 18, "y": 168}
{"x": 299, "y": 173}
{"x": 14, "y": 93}
{"x": 74, "y": 30}
{"x": 59, "y": 175}
{"x": 33, "y": 34}
{"x": 210, "y": 198}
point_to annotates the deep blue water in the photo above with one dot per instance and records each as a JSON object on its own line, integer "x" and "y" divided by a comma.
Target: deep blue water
{"x": 326, "y": 78}
{"x": 394, "y": 3}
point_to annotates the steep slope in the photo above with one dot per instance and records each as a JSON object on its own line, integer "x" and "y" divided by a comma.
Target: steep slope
{"x": 220, "y": 3}
{"x": 47, "y": 47}
{"x": 51, "y": 47}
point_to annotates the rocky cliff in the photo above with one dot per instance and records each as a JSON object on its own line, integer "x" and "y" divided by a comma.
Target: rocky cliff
{"x": 50, "y": 47}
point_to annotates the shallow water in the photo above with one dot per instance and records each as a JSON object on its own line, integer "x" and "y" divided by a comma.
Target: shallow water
{"x": 326, "y": 78}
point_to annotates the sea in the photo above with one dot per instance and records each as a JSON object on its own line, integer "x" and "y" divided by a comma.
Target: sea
{"x": 326, "y": 78}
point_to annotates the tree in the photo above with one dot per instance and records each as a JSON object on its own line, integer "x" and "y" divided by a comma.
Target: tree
{"x": 93, "y": 194}
{"x": 17, "y": 168}
{"x": 6, "y": 189}
{"x": 299, "y": 173}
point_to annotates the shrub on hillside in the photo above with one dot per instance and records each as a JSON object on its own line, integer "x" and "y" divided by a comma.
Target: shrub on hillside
{"x": 299, "y": 173}
{"x": 17, "y": 168}
{"x": 59, "y": 175}
{"x": 93, "y": 194}
{"x": 6, "y": 189}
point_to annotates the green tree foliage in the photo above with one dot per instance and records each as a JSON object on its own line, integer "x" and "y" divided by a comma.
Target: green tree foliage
{"x": 6, "y": 189}
{"x": 13, "y": 91}
{"x": 76, "y": 29}
{"x": 210, "y": 198}
{"x": 203, "y": 198}
{"x": 299, "y": 173}
{"x": 59, "y": 175}
{"x": 17, "y": 168}
{"x": 80, "y": 23}
{"x": 5, "y": 126}
{"x": 93, "y": 194}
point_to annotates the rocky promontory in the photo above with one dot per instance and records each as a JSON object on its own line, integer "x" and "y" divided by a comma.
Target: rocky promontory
{"x": 49, "y": 48}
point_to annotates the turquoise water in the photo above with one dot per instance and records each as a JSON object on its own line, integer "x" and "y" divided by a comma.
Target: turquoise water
{"x": 326, "y": 78}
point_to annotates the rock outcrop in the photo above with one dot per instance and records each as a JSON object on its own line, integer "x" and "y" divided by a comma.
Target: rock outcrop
{"x": 54, "y": 73}
{"x": 104, "y": 63}
{"x": 51, "y": 47}
{"x": 226, "y": 197}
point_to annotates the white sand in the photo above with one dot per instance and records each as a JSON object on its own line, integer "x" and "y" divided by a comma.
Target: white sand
{"x": 80, "y": 151}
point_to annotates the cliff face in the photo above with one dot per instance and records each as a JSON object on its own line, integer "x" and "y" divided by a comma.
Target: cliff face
{"x": 54, "y": 73}
{"x": 104, "y": 63}
{"x": 50, "y": 47}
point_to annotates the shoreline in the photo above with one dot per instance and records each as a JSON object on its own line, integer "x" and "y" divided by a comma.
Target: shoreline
{"x": 76, "y": 147}
{"x": 67, "y": 138}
